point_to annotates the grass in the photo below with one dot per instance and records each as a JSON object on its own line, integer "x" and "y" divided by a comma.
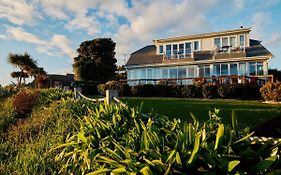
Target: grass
{"x": 248, "y": 113}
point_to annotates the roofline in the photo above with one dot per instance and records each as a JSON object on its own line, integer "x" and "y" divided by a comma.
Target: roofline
{"x": 268, "y": 57}
{"x": 196, "y": 36}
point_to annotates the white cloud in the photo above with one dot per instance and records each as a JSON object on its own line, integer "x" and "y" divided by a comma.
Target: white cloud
{"x": 3, "y": 37}
{"x": 17, "y": 11}
{"x": 260, "y": 22}
{"x": 274, "y": 40}
{"x": 56, "y": 46}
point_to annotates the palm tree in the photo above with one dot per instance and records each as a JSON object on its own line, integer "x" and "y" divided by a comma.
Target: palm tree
{"x": 25, "y": 63}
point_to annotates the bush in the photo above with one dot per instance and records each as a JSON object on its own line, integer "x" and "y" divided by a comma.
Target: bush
{"x": 163, "y": 90}
{"x": 88, "y": 87}
{"x": 190, "y": 91}
{"x": 271, "y": 91}
{"x": 224, "y": 90}
{"x": 209, "y": 91}
{"x": 24, "y": 102}
{"x": 125, "y": 90}
{"x": 144, "y": 90}
{"x": 244, "y": 91}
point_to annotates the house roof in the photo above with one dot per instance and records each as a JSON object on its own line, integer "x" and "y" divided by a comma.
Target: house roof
{"x": 203, "y": 35}
{"x": 147, "y": 55}
{"x": 68, "y": 78}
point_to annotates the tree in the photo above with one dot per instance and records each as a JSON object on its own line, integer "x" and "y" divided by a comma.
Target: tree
{"x": 95, "y": 60}
{"x": 276, "y": 74}
{"x": 25, "y": 64}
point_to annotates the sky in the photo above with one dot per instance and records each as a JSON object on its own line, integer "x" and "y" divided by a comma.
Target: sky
{"x": 51, "y": 30}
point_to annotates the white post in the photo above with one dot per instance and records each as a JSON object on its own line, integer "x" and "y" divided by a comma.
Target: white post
{"x": 77, "y": 90}
{"x": 110, "y": 94}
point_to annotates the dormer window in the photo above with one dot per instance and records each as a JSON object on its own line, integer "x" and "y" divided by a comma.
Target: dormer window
{"x": 161, "y": 50}
{"x": 242, "y": 40}
{"x": 217, "y": 42}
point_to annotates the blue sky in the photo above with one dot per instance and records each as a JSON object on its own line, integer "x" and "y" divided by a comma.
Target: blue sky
{"x": 52, "y": 30}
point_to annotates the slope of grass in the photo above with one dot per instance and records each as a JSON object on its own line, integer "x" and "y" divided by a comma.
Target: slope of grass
{"x": 249, "y": 113}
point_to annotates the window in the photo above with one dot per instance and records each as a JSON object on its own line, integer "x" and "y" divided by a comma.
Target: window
{"x": 161, "y": 49}
{"x": 188, "y": 48}
{"x": 224, "y": 69}
{"x": 181, "y": 49}
{"x": 157, "y": 73}
{"x": 173, "y": 73}
{"x": 168, "y": 51}
{"x": 233, "y": 69}
{"x": 149, "y": 74}
{"x": 181, "y": 73}
{"x": 190, "y": 71}
{"x": 143, "y": 74}
{"x": 201, "y": 71}
{"x": 175, "y": 49}
{"x": 217, "y": 42}
{"x": 207, "y": 70}
{"x": 252, "y": 68}
{"x": 242, "y": 68}
{"x": 196, "y": 45}
{"x": 132, "y": 74}
{"x": 259, "y": 68}
{"x": 242, "y": 40}
{"x": 225, "y": 41}
{"x": 165, "y": 73}
{"x": 232, "y": 41}
{"x": 138, "y": 74}
{"x": 216, "y": 70}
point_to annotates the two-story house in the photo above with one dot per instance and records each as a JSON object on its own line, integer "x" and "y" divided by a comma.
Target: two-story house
{"x": 217, "y": 56}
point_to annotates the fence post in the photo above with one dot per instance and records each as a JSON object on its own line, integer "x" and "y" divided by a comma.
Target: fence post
{"x": 110, "y": 94}
{"x": 77, "y": 90}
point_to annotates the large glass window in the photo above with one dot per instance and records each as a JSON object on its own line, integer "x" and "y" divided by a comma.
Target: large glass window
{"x": 196, "y": 45}
{"x": 173, "y": 73}
{"x": 188, "y": 47}
{"x": 191, "y": 72}
{"x": 242, "y": 69}
{"x": 161, "y": 49}
{"x": 216, "y": 70}
{"x": 181, "y": 50}
{"x": 157, "y": 73}
{"x": 132, "y": 74}
{"x": 165, "y": 73}
{"x": 138, "y": 74}
{"x": 259, "y": 68}
{"x": 233, "y": 69}
{"x": 207, "y": 70}
{"x": 201, "y": 71}
{"x": 232, "y": 41}
{"x": 252, "y": 68}
{"x": 168, "y": 51}
{"x": 181, "y": 73}
{"x": 217, "y": 42}
{"x": 149, "y": 74}
{"x": 143, "y": 74}
{"x": 224, "y": 69}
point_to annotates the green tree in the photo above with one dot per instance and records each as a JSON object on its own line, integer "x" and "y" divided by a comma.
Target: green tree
{"x": 95, "y": 61}
{"x": 26, "y": 65}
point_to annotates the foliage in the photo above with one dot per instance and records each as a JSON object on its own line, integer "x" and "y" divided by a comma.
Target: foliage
{"x": 26, "y": 64}
{"x": 189, "y": 91}
{"x": 123, "y": 140}
{"x": 224, "y": 90}
{"x": 276, "y": 74}
{"x": 163, "y": 90}
{"x": 244, "y": 91}
{"x": 95, "y": 60}
{"x": 88, "y": 87}
{"x": 125, "y": 90}
{"x": 271, "y": 91}
{"x": 24, "y": 102}
{"x": 209, "y": 91}
{"x": 143, "y": 90}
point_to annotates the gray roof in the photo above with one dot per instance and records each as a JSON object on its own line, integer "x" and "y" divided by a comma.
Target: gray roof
{"x": 147, "y": 54}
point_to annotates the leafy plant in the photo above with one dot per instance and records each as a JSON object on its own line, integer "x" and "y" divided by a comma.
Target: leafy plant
{"x": 271, "y": 91}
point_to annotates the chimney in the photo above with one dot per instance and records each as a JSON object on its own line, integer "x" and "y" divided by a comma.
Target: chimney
{"x": 241, "y": 27}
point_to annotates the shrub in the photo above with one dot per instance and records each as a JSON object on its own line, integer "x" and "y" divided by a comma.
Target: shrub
{"x": 112, "y": 85}
{"x": 271, "y": 91}
{"x": 24, "y": 102}
{"x": 209, "y": 91}
{"x": 224, "y": 90}
{"x": 143, "y": 90}
{"x": 88, "y": 87}
{"x": 163, "y": 90}
{"x": 189, "y": 91}
{"x": 125, "y": 90}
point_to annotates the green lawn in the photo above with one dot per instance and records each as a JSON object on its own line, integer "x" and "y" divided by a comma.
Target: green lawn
{"x": 249, "y": 113}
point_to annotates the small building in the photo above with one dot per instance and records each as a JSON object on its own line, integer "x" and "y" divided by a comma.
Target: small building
{"x": 226, "y": 56}
{"x": 60, "y": 81}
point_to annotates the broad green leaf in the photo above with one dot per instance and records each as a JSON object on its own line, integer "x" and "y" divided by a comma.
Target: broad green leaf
{"x": 178, "y": 158}
{"x": 146, "y": 170}
{"x": 81, "y": 136}
{"x": 195, "y": 148}
{"x": 219, "y": 135}
{"x": 171, "y": 155}
{"x": 119, "y": 170}
{"x": 264, "y": 165}
{"x": 232, "y": 165}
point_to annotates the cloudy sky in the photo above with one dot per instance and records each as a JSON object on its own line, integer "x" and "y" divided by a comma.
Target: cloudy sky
{"x": 52, "y": 30}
